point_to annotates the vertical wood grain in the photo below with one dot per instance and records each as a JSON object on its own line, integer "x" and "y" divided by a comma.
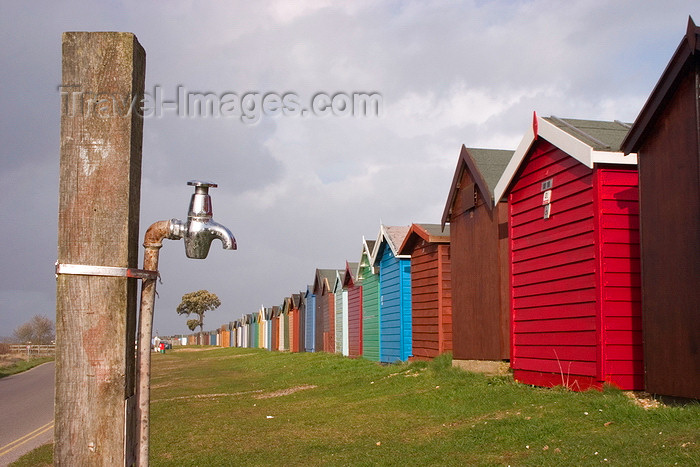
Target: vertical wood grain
{"x": 99, "y": 196}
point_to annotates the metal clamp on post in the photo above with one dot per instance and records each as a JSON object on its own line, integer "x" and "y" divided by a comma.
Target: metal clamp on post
{"x": 111, "y": 271}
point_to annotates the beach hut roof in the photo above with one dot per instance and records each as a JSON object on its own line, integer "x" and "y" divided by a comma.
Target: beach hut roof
{"x": 286, "y": 303}
{"x": 393, "y": 236}
{"x": 338, "y": 282}
{"x": 350, "y": 274}
{"x": 368, "y": 249}
{"x": 325, "y": 279}
{"x": 682, "y": 57}
{"x": 431, "y": 233}
{"x": 588, "y": 141}
{"x": 486, "y": 167}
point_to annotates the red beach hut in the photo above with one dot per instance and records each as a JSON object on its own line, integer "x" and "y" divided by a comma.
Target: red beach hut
{"x": 295, "y": 324}
{"x": 274, "y": 328}
{"x": 354, "y": 288}
{"x": 574, "y": 241}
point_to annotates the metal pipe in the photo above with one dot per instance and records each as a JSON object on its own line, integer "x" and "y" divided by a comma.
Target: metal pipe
{"x": 198, "y": 232}
{"x": 153, "y": 241}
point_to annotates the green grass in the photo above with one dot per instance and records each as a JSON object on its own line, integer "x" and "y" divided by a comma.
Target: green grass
{"x": 22, "y": 365}
{"x": 419, "y": 413}
{"x": 253, "y": 407}
{"x": 40, "y": 457}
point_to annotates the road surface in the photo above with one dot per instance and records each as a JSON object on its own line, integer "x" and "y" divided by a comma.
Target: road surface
{"x": 26, "y": 408}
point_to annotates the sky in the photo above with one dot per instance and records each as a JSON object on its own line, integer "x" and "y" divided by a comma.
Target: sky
{"x": 300, "y": 191}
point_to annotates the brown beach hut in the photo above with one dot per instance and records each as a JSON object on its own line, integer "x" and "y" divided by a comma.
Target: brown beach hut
{"x": 325, "y": 310}
{"x": 666, "y": 138}
{"x": 479, "y": 259}
{"x": 428, "y": 245}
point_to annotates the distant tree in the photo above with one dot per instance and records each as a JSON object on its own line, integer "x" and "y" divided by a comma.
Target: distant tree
{"x": 38, "y": 330}
{"x": 197, "y": 303}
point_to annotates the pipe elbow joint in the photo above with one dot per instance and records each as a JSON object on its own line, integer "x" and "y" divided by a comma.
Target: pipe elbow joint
{"x": 176, "y": 229}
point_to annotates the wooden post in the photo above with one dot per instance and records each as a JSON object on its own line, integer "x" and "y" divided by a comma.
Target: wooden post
{"x": 98, "y": 223}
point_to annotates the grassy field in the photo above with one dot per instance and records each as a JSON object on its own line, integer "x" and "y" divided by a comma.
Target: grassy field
{"x": 11, "y": 364}
{"x": 252, "y": 407}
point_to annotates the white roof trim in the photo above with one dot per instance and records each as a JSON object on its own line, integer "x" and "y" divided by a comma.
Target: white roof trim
{"x": 380, "y": 239}
{"x": 607, "y": 157}
{"x": 338, "y": 280}
{"x": 571, "y": 145}
{"x": 365, "y": 249}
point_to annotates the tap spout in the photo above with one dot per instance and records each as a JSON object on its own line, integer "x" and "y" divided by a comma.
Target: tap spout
{"x": 199, "y": 235}
{"x": 222, "y": 233}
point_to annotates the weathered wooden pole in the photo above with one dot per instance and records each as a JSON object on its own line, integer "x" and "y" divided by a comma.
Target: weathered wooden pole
{"x": 98, "y": 222}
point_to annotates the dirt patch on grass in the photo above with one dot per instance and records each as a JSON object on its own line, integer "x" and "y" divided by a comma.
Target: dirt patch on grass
{"x": 410, "y": 373}
{"x": 208, "y": 396}
{"x": 225, "y": 357}
{"x": 170, "y": 382}
{"x": 643, "y": 400}
{"x": 285, "y": 392}
{"x": 435, "y": 430}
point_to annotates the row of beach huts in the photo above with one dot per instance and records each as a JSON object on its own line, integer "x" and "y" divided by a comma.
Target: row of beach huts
{"x": 574, "y": 258}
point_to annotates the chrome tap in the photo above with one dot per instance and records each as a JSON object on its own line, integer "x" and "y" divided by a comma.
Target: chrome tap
{"x": 200, "y": 229}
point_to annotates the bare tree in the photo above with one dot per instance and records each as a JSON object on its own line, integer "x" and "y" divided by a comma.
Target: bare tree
{"x": 38, "y": 330}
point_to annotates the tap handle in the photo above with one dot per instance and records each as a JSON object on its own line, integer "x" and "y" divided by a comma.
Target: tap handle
{"x": 200, "y": 203}
{"x": 201, "y": 187}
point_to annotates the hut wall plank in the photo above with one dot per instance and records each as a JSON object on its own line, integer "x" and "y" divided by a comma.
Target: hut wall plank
{"x": 557, "y": 275}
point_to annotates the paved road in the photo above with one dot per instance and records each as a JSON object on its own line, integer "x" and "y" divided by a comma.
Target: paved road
{"x": 26, "y": 408}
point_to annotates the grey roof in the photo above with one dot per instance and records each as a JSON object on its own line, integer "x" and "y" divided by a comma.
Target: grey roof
{"x": 352, "y": 268}
{"x": 436, "y": 230}
{"x": 601, "y": 136}
{"x": 431, "y": 233}
{"x": 491, "y": 164}
{"x": 328, "y": 275}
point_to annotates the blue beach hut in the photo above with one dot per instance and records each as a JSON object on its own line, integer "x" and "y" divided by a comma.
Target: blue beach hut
{"x": 310, "y": 320}
{"x": 395, "y": 333}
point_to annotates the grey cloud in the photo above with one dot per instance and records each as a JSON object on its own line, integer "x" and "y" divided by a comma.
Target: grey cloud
{"x": 300, "y": 193}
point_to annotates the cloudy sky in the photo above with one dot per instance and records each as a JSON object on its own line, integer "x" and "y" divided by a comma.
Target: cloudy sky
{"x": 299, "y": 192}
